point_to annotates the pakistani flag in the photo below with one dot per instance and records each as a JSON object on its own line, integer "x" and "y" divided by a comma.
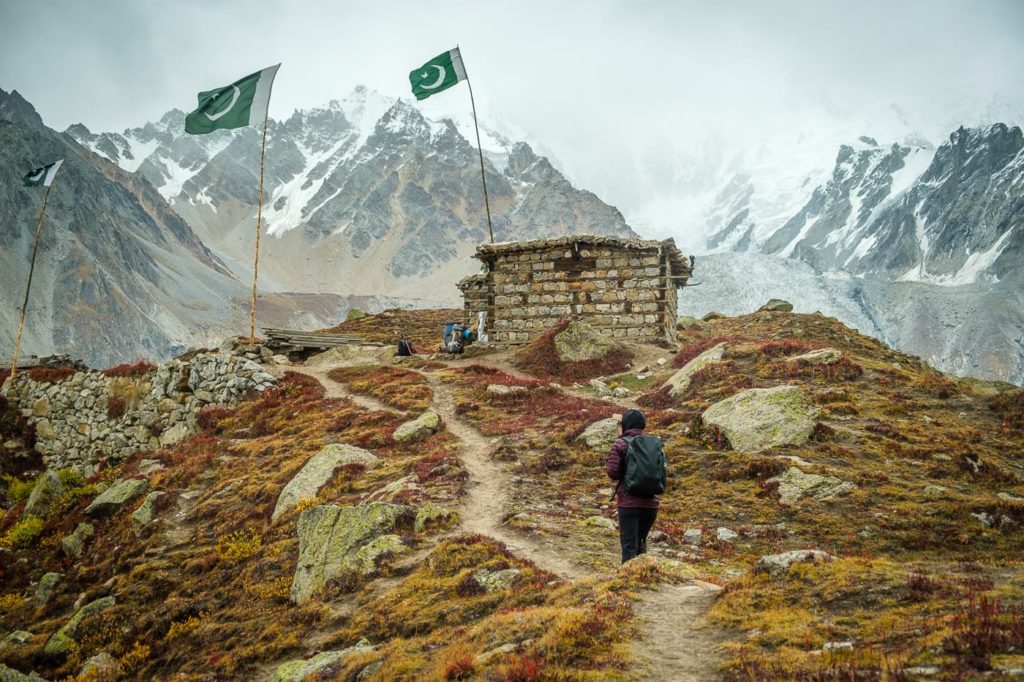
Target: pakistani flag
{"x": 42, "y": 177}
{"x": 233, "y": 106}
{"x": 440, "y": 73}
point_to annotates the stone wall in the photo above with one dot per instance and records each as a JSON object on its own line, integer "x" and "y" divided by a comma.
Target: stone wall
{"x": 77, "y": 427}
{"x": 626, "y": 289}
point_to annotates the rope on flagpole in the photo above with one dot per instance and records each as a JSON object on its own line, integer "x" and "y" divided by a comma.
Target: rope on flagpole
{"x": 28, "y": 285}
{"x": 259, "y": 219}
{"x": 480, "y": 150}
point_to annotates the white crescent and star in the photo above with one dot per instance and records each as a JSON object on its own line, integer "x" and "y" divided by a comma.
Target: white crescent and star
{"x": 440, "y": 77}
{"x": 235, "y": 93}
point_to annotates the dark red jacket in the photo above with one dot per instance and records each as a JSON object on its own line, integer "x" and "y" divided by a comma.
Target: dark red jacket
{"x": 615, "y": 467}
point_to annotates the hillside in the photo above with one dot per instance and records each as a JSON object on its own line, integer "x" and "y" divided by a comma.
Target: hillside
{"x": 486, "y": 550}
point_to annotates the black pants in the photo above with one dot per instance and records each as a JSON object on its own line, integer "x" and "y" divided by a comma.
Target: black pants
{"x": 634, "y": 525}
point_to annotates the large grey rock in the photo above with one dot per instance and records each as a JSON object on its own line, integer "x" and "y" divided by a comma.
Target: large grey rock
{"x": 778, "y": 305}
{"x": 822, "y": 356}
{"x": 320, "y": 666}
{"x": 47, "y": 490}
{"x": 175, "y": 434}
{"x": 776, "y": 564}
{"x": 47, "y": 586}
{"x": 601, "y": 434}
{"x": 62, "y": 640}
{"x": 73, "y": 545}
{"x": 116, "y": 497}
{"x": 795, "y": 484}
{"x": 419, "y": 428}
{"x": 318, "y": 471}
{"x": 579, "y": 341}
{"x": 495, "y": 580}
{"x": 679, "y": 382}
{"x": 334, "y": 541}
{"x": 144, "y": 514}
{"x": 429, "y": 516}
{"x": 688, "y": 323}
{"x": 761, "y": 418}
{"x": 12, "y": 675}
{"x": 102, "y": 666}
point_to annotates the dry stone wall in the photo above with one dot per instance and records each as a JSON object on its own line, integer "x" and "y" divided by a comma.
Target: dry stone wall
{"x": 76, "y": 426}
{"x": 627, "y": 292}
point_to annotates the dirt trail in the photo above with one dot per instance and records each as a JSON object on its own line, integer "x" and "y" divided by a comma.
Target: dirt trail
{"x": 486, "y": 502}
{"x": 677, "y": 645}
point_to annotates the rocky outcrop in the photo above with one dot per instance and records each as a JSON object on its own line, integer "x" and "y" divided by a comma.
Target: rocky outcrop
{"x": 317, "y": 471}
{"x": 822, "y": 356}
{"x": 90, "y": 417}
{"x": 73, "y": 545}
{"x": 145, "y": 512}
{"x": 777, "y": 564}
{"x": 679, "y": 382}
{"x": 579, "y": 341}
{"x": 65, "y": 638}
{"x": 778, "y": 305}
{"x": 601, "y": 434}
{"x": 47, "y": 586}
{"x": 495, "y": 580}
{"x": 761, "y": 418}
{"x": 320, "y": 666}
{"x": 795, "y": 484}
{"x": 431, "y": 516}
{"x": 116, "y": 497}
{"x": 47, "y": 490}
{"x": 419, "y": 428}
{"x": 12, "y": 675}
{"x": 334, "y": 541}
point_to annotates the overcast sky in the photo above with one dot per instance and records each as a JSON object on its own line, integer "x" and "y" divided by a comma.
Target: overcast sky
{"x": 605, "y": 87}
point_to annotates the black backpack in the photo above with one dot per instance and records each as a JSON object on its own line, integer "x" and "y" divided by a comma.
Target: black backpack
{"x": 646, "y": 474}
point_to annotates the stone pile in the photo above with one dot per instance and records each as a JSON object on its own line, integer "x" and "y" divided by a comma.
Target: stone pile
{"x": 77, "y": 425}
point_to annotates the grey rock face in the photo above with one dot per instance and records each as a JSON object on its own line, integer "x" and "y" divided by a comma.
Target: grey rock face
{"x": 760, "y": 418}
{"x": 601, "y": 434}
{"x": 46, "y": 491}
{"x": 317, "y": 471}
{"x": 776, "y": 564}
{"x": 116, "y": 497}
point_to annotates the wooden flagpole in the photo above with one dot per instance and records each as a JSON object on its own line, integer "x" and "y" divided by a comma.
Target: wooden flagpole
{"x": 259, "y": 219}
{"x": 480, "y": 150}
{"x": 28, "y": 285}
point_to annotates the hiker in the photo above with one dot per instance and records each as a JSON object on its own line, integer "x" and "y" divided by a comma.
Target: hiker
{"x": 636, "y": 463}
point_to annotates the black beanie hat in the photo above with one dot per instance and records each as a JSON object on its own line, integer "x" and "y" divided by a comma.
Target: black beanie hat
{"x": 633, "y": 419}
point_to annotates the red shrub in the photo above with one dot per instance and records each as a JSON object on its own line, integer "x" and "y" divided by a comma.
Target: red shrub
{"x": 523, "y": 669}
{"x": 136, "y": 369}
{"x": 50, "y": 375}
{"x": 116, "y": 407}
{"x": 1010, "y": 408}
{"x": 540, "y": 358}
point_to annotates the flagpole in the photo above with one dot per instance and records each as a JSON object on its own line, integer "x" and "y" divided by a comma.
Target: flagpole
{"x": 480, "y": 150}
{"x": 28, "y": 285}
{"x": 259, "y": 219}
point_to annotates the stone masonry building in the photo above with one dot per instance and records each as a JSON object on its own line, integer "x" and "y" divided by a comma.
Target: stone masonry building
{"x": 627, "y": 288}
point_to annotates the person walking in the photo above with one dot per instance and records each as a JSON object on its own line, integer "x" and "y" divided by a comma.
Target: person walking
{"x": 636, "y": 462}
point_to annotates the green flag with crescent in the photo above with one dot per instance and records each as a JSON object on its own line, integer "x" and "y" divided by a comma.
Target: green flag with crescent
{"x": 440, "y": 73}
{"x": 42, "y": 176}
{"x": 243, "y": 102}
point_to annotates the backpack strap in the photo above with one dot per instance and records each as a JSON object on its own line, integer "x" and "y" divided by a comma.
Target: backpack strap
{"x": 618, "y": 484}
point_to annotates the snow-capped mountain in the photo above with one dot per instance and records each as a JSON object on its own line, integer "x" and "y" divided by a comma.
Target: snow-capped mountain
{"x": 932, "y": 239}
{"x": 119, "y": 274}
{"x": 364, "y": 195}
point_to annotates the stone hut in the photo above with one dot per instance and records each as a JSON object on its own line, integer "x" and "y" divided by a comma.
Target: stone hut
{"x": 626, "y": 287}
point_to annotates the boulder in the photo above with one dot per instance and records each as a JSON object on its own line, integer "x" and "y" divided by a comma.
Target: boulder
{"x": 579, "y": 341}
{"x": 795, "y": 484}
{"x": 419, "y": 428}
{"x": 688, "y": 323}
{"x": 778, "y": 305}
{"x": 692, "y": 536}
{"x": 504, "y": 389}
{"x": 601, "y": 387}
{"x": 430, "y": 516}
{"x": 679, "y": 382}
{"x": 726, "y": 535}
{"x": 495, "y": 580}
{"x": 822, "y": 356}
{"x": 711, "y": 316}
{"x": 12, "y": 675}
{"x": 600, "y": 522}
{"x": 72, "y": 545}
{"x": 47, "y": 490}
{"x": 16, "y": 638}
{"x": 102, "y": 666}
{"x": 320, "y": 666}
{"x": 145, "y": 512}
{"x": 116, "y": 497}
{"x": 62, "y": 640}
{"x": 47, "y": 586}
{"x": 761, "y": 418}
{"x": 776, "y": 564}
{"x": 354, "y": 314}
{"x": 601, "y": 434}
{"x": 351, "y": 355}
{"x": 150, "y": 466}
{"x": 317, "y": 471}
{"x": 331, "y": 539}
